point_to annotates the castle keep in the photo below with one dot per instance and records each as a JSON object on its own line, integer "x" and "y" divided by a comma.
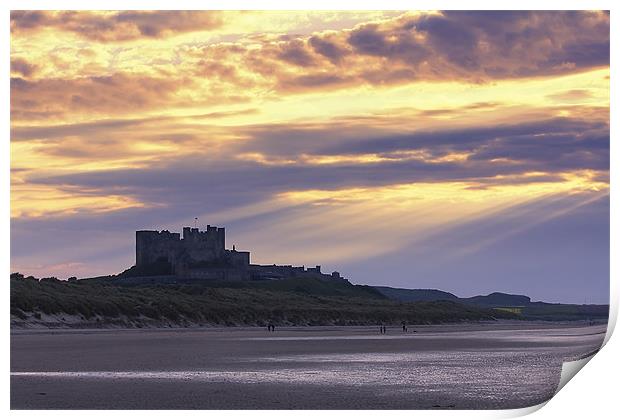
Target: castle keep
{"x": 195, "y": 249}
{"x": 203, "y": 255}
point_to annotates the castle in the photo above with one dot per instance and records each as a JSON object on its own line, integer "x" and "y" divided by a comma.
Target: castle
{"x": 203, "y": 255}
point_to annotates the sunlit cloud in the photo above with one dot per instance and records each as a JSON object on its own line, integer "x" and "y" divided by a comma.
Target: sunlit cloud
{"x": 395, "y": 51}
{"x": 109, "y": 26}
{"x": 38, "y": 201}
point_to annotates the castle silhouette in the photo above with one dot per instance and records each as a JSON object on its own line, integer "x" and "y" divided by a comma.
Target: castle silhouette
{"x": 203, "y": 255}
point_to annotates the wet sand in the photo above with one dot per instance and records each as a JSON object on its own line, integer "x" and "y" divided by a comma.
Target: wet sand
{"x": 484, "y": 366}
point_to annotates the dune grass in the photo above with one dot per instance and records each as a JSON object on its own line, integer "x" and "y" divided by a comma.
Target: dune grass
{"x": 286, "y": 303}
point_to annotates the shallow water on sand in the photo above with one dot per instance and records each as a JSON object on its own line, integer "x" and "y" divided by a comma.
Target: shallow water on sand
{"x": 467, "y": 366}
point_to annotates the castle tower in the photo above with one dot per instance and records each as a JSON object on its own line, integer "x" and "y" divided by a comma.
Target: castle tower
{"x": 196, "y": 249}
{"x": 153, "y": 246}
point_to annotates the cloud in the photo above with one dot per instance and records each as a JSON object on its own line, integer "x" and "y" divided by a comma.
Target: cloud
{"x": 473, "y": 47}
{"x": 295, "y": 52}
{"x": 556, "y": 151}
{"x": 544, "y": 140}
{"x": 482, "y": 46}
{"x": 477, "y": 106}
{"x": 456, "y": 40}
{"x": 325, "y": 47}
{"x": 467, "y": 47}
{"x": 346, "y": 157}
{"x": 117, "y": 26}
{"x": 115, "y": 94}
{"x": 113, "y": 126}
{"x": 90, "y": 94}
{"x": 573, "y": 95}
{"x": 313, "y": 81}
{"x": 22, "y": 67}
{"x": 83, "y": 129}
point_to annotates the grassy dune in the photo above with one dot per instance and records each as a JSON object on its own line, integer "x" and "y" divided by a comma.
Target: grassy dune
{"x": 284, "y": 302}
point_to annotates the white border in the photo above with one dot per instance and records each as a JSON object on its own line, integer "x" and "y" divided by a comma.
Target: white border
{"x": 592, "y": 395}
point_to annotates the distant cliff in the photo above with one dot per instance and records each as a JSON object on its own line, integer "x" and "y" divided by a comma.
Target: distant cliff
{"x": 519, "y": 304}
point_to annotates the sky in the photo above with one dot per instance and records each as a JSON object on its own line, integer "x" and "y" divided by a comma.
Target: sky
{"x": 462, "y": 151}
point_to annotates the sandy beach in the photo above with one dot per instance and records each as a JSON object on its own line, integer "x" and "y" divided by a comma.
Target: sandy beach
{"x": 465, "y": 366}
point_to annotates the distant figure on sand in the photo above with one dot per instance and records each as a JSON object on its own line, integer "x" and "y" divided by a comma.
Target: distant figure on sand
{"x": 404, "y": 327}
{"x": 271, "y": 327}
{"x": 382, "y": 329}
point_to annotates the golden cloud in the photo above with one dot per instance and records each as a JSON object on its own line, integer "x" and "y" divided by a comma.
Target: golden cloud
{"x": 116, "y": 26}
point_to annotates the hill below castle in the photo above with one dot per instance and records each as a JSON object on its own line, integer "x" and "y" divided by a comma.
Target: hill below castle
{"x": 106, "y": 303}
{"x": 117, "y": 301}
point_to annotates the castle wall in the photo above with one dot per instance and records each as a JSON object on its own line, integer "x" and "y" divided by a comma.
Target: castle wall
{"x": 238, "y": 258}
{"x": 216, "y": 274}
{"x": 265, "y": 272}
{"x": 152, "y": 246}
